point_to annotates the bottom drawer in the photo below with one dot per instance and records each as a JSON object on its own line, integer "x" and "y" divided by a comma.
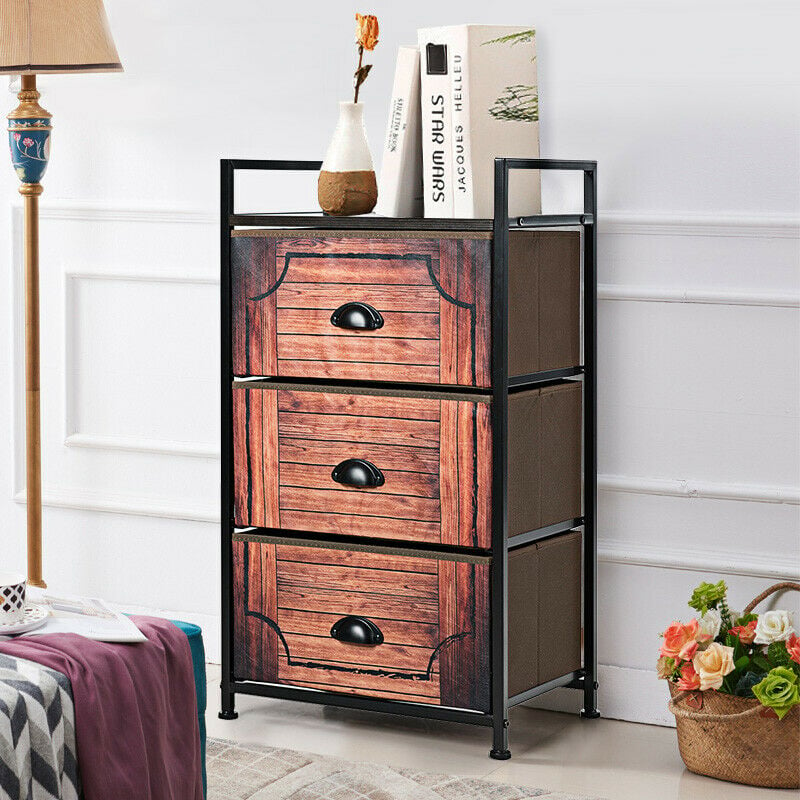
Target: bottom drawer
{"x": 427, "y": 616}
{"x": 544, "y": 611}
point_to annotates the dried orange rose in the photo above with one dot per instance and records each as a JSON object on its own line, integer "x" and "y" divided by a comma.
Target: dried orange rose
{"x": 366, "y": 31}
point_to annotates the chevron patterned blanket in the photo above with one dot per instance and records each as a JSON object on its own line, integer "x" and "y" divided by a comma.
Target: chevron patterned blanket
{"x": 38, "y": 756}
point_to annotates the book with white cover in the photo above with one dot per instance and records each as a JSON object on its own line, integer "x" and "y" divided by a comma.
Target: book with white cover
{"x": 88, "y": 616}
{"x": 400, "y": 188}
{"x": 437, "y": 170}
{"x": 495, "y": 112}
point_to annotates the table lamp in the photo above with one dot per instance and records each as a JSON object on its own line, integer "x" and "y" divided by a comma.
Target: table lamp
{"x": 42, "y": 36}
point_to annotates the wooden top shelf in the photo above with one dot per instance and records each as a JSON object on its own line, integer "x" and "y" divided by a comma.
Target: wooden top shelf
{"x": 372, "y": 222}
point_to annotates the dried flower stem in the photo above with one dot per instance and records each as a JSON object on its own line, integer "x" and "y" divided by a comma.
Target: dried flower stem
{"x": 358, "y": 72}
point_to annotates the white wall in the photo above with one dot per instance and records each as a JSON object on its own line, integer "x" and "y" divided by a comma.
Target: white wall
{"x": 691, "y": 110}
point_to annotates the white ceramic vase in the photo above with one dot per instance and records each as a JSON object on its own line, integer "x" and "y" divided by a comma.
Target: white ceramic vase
{"x": 347, "y": 182}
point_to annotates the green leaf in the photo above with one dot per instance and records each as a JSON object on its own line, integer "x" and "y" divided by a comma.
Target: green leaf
{"x": 708, "y": 595}
{"x": 742, "y": 662}
{"x": 761, "y": 662}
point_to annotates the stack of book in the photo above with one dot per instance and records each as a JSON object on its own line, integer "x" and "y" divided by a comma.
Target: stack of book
{"x": 465, "y": 96}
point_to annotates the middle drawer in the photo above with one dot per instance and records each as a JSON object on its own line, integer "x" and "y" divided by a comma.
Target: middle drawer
{"x": 375, "y": 465}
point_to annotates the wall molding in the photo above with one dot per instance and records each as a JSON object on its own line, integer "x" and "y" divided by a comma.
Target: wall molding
{"x": 73, "y": 437}
{"x": 750, "y": 226}
{"x": 667, "y": 294}
{"x": 683, "y": 559}
{"x": 691, "y": 489}
{"x": 110, "y": 503}
{"x": 76, "y": 211}
{"x": 135, "y": 444}
{"x": 612, "y": 222}
{"x": 610, "y": 551}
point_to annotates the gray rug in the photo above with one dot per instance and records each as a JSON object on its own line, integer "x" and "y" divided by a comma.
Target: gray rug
{"x": 252, "y": 772}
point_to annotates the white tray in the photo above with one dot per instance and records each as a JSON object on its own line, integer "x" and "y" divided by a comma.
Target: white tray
{"x": 35, "y": 617}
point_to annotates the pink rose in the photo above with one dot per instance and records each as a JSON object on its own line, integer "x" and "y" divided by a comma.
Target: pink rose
{"x": 793, "y": 646}
{"x": 680, "y": 641}
{"x": 28, "y": 142}
{"x": 17, "y": 137}
{"x": 689, "y": 680}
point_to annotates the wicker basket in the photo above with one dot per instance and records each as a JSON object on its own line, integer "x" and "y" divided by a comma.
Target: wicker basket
{"x": 728, "y": 737}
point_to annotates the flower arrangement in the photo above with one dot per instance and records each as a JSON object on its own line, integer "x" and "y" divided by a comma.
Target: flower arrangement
{"x": 366, "y": 39}
{"x": 746, "y": 655}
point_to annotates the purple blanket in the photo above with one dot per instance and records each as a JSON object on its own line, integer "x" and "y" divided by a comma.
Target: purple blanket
{"x": 135, "y": 710}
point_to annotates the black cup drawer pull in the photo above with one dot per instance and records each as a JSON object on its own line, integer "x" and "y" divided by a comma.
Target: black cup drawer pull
{"x": 357, "y": 317}
{"x": 357, "y": 630}
{"x": 358, "y": 472}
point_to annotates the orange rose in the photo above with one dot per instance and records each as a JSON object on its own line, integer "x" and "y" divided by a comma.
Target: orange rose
{"x": 366, "y": 31}
{"x": 689, "y": 680}
{"x": 680, "y": 641}
{"x": 793, "y": 646}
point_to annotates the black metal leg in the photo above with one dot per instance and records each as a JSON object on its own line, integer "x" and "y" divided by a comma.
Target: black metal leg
{"x": 590, "y": 446}
{"x": 226, "y": 420}
{"x": 228, "y": 703}
{"x": 499, "y": 582}
{"x": 589, "y": 710}
{"x": 500, "y": 749}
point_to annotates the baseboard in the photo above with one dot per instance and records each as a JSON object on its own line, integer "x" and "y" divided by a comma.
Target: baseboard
{"x": 634, "y": 695}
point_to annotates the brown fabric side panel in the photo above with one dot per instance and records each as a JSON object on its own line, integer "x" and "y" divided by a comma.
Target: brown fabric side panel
{"x": 523, "y": 619}
{"x": 544, "y": 457}
{"x": 559, "y": 602}
{"x": 544, "y": 300}
{"x": 524, "y": 455}
{"x": 560, "y": 456}
{"x": 544, "y": 611}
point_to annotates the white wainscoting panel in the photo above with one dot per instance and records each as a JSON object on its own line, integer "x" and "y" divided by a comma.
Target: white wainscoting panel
{"x": 130, "y": 354}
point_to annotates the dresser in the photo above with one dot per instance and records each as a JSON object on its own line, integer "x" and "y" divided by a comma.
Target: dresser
{"x": 408, "y": 457}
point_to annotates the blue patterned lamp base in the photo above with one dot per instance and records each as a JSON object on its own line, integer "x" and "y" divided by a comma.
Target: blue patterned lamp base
{"x": 29, "y": 137}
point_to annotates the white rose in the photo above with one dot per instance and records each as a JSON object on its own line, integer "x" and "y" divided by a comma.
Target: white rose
{"x": 710, "y": 623}
{"x": 773, "y": 626}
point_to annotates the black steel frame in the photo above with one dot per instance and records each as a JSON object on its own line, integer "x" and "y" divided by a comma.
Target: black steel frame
{"x": 584, "y": 679}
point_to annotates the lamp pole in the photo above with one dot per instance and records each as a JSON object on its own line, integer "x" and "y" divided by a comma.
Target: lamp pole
{"x": 29, "y": 137}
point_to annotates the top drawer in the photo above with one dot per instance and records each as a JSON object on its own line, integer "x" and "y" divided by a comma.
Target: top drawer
{"x": 402, "y": 308}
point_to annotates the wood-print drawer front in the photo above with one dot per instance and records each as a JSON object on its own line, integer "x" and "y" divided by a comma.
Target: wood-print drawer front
{"x": 434, "y": 455}
{"x": 432, "y": 295}
{"x": 433, "y": 615}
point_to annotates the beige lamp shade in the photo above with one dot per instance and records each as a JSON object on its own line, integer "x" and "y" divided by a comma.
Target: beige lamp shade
{"x": 41, "y": 36}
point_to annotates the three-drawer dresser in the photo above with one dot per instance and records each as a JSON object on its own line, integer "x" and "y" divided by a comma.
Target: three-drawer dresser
{"x": 408, "y": 457}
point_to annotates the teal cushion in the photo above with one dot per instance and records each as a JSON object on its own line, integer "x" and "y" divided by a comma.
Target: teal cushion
{"x": 195, "y": 636}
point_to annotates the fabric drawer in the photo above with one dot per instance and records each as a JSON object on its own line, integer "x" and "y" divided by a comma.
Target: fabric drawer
{"x": 433, "y": 453}
{"x": 420, "y": 312}
{"x": 433, "y": 457}
{"x": 431, "y": 614}
{"x": 429, "y": 296}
